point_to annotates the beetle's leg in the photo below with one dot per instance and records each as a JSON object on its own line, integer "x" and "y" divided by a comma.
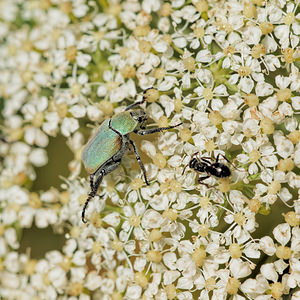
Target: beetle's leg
{"x": 153, "y": 130}
{"x": 200, "y": 180}
{"x": 138, "y": 158}
{"x": 92, "y": 194}
{"x": 135, "y": 104}
{"x": 138, "y": 102}
{"x": 142, "y": 125}
{"x": 109, "y": 167}
{"x": 92, "y": 181}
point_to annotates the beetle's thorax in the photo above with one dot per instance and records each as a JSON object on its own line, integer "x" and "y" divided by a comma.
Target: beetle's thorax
{"x": 123, "y": 123}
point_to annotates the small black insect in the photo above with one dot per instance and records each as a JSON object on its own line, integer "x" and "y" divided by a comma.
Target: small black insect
{"x": 208, "y": 165}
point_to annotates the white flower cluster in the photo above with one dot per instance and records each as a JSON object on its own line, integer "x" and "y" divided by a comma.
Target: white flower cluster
{"x": 229, "y": 71}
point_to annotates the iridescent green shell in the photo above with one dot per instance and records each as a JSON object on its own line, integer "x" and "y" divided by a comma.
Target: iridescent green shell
{"x": 102, "y": 146}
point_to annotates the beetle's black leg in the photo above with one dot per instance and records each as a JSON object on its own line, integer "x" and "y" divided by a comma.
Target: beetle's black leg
{"x": 100, "y": 173}
{"x": 92, "y": 194}
{"x": 153, "y": 130}
{"x": 92, "y": 181}
{"x": 200, "y": 180}
{"x": 138, "y": 102}
{"x": 135, "y": 104}
{"x": 138, "y": 158}
{"x": 142, "y": 126}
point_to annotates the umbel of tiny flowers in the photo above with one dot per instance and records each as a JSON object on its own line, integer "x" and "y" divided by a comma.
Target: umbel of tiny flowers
{"x": 229, "y": 71}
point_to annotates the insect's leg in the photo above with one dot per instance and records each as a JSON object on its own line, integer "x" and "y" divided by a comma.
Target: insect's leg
{"x": 135, "y": 104}
{"x": 142, "y": 125}
{"x": 92, "y": 180}
{"x": 104, "y": 170}
{"x": 200, "y": 180}
{"x": 195, "y": 154}
{"x": 218, "y": 156}
{"x": 138, "y": 102}
{"x": 206, "y": 160}
{"x": 92, "y": 193}
{"x": 207, "y": 157}
{"x": 185, "y": 168}
{"x": 153, "y": 130}
{"x": 138, "y": 158}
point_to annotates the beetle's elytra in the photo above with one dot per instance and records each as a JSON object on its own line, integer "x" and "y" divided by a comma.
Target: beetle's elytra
{"x": 105, "y": 149}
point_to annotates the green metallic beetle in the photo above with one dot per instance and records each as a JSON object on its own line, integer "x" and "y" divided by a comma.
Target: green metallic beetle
{"x": 104, "y": 151}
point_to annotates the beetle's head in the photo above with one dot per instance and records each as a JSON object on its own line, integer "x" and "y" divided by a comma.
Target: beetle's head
{"x": 139, "y": 115}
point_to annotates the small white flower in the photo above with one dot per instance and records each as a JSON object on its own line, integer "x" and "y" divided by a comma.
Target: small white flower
{"x": 269, "y": 272}
{"x": 38, "y": 157}
{"x": 133, "y": 292}
{"x": 239, "y": 268}
{"x": 296, "y": 103}
{"x": 252, "y": 35}
{"x": 11, "y": 238}
{"x": 57, "y": 276}
{"x": 83, "y": 59}
{"x": 79, "y": 258}
{"x": 93, "y": 281}
{"x": 267, "y": 245}
{"x": 251, "y": 126}
{"x": 263, "y": 89}
{"x": 45, "y": 217}
{"x": 167, "y": 83}
{"x": 36, "y": 136}
{"x": 112, "y": 219}
{"x": 282, "y": 233}
{"x": 151, "y": 219}
{"x": 69, "y": 125}
{"x": 11, "y": 262}
{"x": 284, "y": 146}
